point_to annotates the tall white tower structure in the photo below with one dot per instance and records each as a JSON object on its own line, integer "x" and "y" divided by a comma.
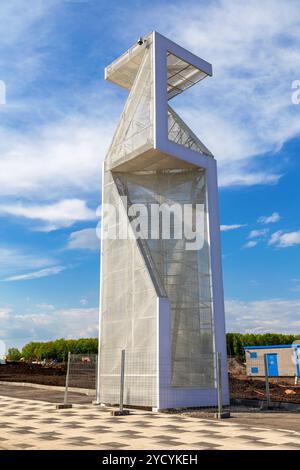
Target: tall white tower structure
{"x": 161, "y": 302}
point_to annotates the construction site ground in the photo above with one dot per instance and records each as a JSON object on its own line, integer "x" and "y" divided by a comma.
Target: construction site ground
{"x": 241, "y": 386}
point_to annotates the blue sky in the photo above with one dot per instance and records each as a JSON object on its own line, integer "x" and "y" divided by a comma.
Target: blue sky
{"x": 58, "y": 121}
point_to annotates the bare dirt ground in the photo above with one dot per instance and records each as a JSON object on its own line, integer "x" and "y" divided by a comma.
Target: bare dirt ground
{"x": 33, "y": 373}
{"x": 241, "y": 386}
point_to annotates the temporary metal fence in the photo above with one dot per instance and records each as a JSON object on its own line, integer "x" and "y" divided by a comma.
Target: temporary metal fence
{"x": 82, "y": 371}
{"x": 257, "y": 366}
{"x": 132, "y": 379}
{"x": 81, "y": 374}
{"x": 263, "y": 367}
{"x": 268, "y": 398}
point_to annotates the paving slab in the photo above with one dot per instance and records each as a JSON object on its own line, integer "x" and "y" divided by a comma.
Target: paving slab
{"x": 31, "y": 424}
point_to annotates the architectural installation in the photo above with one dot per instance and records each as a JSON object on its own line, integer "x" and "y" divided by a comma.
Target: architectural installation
{"x": 161, "y": 301}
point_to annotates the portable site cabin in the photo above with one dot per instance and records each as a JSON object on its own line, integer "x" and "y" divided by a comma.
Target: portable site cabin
{"x": 283, "y": 360}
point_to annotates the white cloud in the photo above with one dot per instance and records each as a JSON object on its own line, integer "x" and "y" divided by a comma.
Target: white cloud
{"x": 250, "y": 244}
{"x": 56, "y": 160}
{"x": 226, "y": 228}
{"x": 59, "y": 154}
{"x": 44, "y": 325}
{"x": 36, "y": 274}
{"x": 262, "y": 316}
{"x": 245, "y": 109}
{"x": 56, "y": 215}
{"x": 275, "y": 217}
{"x": 257, "y": 233}
{"x": 285, "y": 239}
{"x": 85, "y": 239}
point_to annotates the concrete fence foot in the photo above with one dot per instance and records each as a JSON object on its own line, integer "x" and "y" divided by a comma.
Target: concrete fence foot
{"x": 120, "y": 413}
{"x": 63, "y": 406}
{"x": 223, "y": 415}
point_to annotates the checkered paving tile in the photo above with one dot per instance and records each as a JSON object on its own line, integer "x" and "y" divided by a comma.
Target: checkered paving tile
{"x": 39, "y": 425}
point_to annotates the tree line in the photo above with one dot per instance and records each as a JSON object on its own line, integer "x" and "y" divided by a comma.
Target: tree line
{"x": 55, "y": 350}
{"x": 237, "y": 341}
{"x": 58, "y": 349}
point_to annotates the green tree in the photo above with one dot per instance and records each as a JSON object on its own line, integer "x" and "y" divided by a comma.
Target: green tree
{"x": 14, "y": 354}
{"x": 229, "y": 340}
{"x": 237, "y": 341}
{"x": 29, "y": 351}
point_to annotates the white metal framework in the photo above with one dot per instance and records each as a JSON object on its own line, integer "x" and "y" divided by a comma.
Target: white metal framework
{"x": 160, "y": 302}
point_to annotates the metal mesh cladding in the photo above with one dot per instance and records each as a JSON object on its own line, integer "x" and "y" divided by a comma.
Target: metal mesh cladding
{"x": 135, "y": 130}
{"x": 180, "y": 133}
{"x": 128, "y": 308}
{"x": 185, "y": 274}
{"x": 140, "y": 373}
{"x": 139, "y": 377}
{"x": 181, "y": 75}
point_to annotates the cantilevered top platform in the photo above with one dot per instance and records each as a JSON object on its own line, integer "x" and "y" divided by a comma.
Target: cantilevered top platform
{"x": 123, "y": 70}
{"x": 181, "y": 74}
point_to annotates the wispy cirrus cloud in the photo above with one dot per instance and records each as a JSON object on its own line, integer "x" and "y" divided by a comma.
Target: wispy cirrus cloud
{"x": 36, "y": 274}
{"x": 24, "y": 37}
{"x": 15, "y": 260}
{"x": 19, "y": 20}
{"x": 226, "y": 228}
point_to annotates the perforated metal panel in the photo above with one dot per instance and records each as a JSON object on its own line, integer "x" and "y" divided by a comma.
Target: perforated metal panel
{"x": 185, "y": 275}
{"x": 134, "y": 133}
{"x": 142, "y": 272}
